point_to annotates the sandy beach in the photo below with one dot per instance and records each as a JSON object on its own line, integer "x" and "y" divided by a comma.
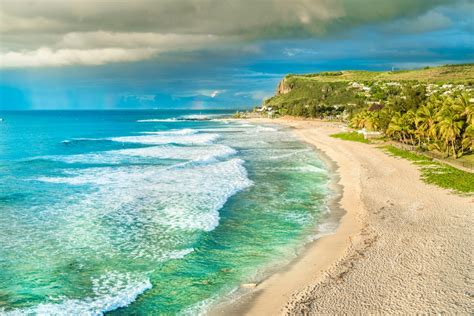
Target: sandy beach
{"x": 402, "y": 246}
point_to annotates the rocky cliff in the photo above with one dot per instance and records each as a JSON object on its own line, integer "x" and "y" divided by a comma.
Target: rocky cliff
{"x": 283, "y": 87}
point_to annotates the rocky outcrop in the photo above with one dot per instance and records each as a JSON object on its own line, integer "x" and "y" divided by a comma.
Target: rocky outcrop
{"x": 283, "y": 87}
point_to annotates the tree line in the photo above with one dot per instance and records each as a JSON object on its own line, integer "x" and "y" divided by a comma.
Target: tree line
{"x": 438, "y": 122}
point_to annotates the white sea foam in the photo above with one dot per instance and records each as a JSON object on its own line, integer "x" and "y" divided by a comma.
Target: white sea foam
{"x": 185, "y": 136}
{"x": 311, "y": 168}
{"x": 324, "y": 229}
{"x": 260, "y": 128}
{"x": 145, "y": 203}
{"x": 200, "y": 117}
{"x": 67, "y": 141}
{"x": 110, "y": 291}
{"x": 222, "y": 129}
{"x": 195, "y": 153}
{"x": 184, "y": 198}
{"x": 298, "y": 218}
{"x": 290, "y": 153}
{"x": 193, "y": 139}
{"x": 184, "y": 131}
{"x": 157, "y": 120}
{"x": 92, "y": 158}
{"x": 205, "y": 153}
{"x": 201, "y": 308}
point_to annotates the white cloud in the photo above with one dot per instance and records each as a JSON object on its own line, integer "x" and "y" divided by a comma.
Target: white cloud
{"x": 215, "y": 93}
{"x": 97, "y": 48}
{"x": 209, "y": 93}
{"x": 203, "y": 92}
{"x": 63, "y": 57}
{"x": 291, "y": 52}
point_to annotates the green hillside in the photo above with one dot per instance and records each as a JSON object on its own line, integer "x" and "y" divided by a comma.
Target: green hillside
{"x": 342, "y": 93}
{"x": 447, "y": 73}
{"x": 431, "y": 108}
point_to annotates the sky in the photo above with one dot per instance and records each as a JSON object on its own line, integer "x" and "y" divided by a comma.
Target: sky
{"x": 201, "y": 54}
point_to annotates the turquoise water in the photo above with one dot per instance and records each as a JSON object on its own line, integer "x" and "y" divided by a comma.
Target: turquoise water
{"x": 147, "y": 212}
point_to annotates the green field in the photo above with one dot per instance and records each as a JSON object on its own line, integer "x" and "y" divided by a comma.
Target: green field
{"x": 436, "y": 173}
{"x": 352, "y": 136}
{"x": 447, "y": 73}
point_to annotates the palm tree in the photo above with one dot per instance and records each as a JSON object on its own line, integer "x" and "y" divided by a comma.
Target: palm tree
{"x": 370, "y": 121}
{"x": 467, "y": 141}
{"x": 450, "y": 126}
{"x": 425, "y": 121}
{"x": 466, "y": 108}
{"x": 408, "y": 124}
{"x": 364, "y": 119}
{"x": 394, "y": 129}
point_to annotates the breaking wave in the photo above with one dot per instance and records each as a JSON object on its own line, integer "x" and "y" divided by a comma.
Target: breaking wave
{"x": 110, "y": 291}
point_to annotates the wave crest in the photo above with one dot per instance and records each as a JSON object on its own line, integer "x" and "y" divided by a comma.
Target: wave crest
{"x": 110, "y": 291}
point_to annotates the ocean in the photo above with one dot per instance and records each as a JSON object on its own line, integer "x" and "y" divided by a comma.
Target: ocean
{"x": 148, "y": 212}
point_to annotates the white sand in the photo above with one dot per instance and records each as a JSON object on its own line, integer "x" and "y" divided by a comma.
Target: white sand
{"x": 403, "y": 246}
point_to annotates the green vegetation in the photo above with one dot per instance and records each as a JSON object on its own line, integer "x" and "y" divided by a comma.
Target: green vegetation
{"x": 431, "y": 108}
{"x": 437, "y": 173}
{"x": 442, "y": 123}
{"x": 238, "y": 115}
{"x": 340, "y": 95}
{"x": 462, "y": 73}
{"x": 352, "y": 136}
{"x": 467, "y": 160}
{"x": 313, "y": 99}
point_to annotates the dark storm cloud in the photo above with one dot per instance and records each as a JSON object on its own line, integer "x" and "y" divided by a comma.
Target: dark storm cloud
{"x": 85, "y": 32}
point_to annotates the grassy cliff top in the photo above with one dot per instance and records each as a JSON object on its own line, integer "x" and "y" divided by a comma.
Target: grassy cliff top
{"x": 447, "y": 73}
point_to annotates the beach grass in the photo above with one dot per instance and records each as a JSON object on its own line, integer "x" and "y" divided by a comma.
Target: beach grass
{"x": 437, "y": 173}
{"x": 352, "y": 136}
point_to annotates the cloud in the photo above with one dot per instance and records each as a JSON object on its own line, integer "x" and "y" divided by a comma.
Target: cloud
{"x": 221, "y": 17}
{"x": 158, "y": 41}
{"x": 210, "y": 93}
{"x": 200, "y": 93}
{"x": 431, "y": 21}
{"x": 292, "y": 52}
{"x": 94, "y": 32}
{"x": 62, "y": 57}
{"x": 98, "y": 48}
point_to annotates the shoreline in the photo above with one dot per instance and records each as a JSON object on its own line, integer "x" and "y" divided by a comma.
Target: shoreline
{"x": 334, "y": 273}
{"x": 281, "y": 284}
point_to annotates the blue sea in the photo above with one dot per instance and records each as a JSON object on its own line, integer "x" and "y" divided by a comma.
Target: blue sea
{"x": 148, "y": 212}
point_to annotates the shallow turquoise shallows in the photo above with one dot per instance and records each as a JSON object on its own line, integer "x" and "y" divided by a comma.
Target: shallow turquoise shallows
{"x": 147, "y": 212}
